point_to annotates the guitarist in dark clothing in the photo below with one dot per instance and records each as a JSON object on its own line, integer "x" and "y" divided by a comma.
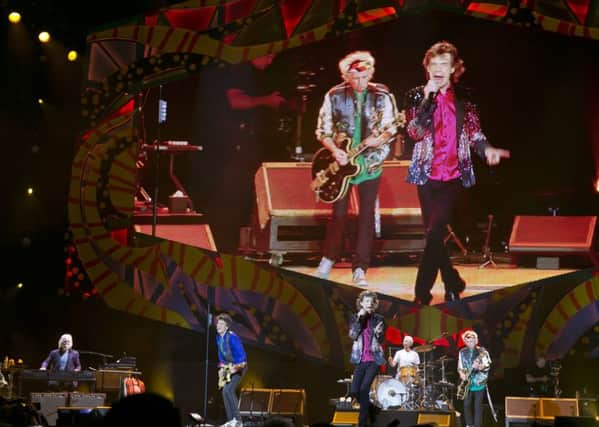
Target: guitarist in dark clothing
{"x": 365, "y": 113}
{"x": 232, "y": 363}
{"x": 473, "y": 366}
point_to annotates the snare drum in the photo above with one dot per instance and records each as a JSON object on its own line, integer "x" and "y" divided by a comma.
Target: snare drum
{"x": 409, "y": 375}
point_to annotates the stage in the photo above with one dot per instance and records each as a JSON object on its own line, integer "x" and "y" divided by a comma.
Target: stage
{"x": 398, "y": 281}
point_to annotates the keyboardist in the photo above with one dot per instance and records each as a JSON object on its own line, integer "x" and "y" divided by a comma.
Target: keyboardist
{"x": 64, "y": 358}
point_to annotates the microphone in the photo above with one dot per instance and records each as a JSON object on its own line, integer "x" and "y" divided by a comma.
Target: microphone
{"x": 432, "y": 96}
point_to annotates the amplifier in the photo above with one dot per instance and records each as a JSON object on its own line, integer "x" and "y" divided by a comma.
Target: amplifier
{"x": 255, "y": 401}
{"x": 88, "y": 400}
{"x": 522, "y": 407}
{"x": 288, "y": 401}
{"x": 49, "y": 404}
{"x": 551, "y": 407}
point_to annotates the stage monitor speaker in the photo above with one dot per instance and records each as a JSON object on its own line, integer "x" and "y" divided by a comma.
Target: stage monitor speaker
{"x": 522, "y": 407}
{"x": 440, "y": 419}
{"x": 49, "y": 404}
{"x": 562, "y": 421}
{"x": 551, "y": 407}
{"x": 395, "y": 418}
{"x": 553, "y": 235}
{"x": 198, "y": 235}
{"x": 345, "y": 418}
{"x": 255, "y": 401}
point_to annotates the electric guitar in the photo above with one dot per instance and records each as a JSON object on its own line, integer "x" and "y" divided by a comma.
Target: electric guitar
{"x": 330, "y": 180}
{"x": 225, "y": 373}
{"x": 464, "y": 386}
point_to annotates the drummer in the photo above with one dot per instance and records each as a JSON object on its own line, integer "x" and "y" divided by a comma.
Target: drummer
{"x": 408, "y": 361}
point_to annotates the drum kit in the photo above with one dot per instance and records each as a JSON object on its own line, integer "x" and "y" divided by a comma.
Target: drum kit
{"x": 419, "y": 387}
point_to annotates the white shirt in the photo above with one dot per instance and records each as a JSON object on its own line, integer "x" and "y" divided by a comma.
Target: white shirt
{"x": 406, "y": 358}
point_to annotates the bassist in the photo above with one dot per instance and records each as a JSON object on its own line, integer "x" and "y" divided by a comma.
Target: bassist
{"x": 473, "y": 366}
{"x": 232, "y": 363}
{"x": 363, "y": 112}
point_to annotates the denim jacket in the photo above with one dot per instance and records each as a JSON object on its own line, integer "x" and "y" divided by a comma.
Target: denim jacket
{"x": 420, "y": 128}
{"x": 356, "y": 329}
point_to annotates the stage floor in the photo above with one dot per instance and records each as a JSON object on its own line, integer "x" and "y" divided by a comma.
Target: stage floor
{"x": 398, "y": 281}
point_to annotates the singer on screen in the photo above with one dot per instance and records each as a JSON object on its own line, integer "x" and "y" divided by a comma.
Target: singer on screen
{"x": 444, "y": 125}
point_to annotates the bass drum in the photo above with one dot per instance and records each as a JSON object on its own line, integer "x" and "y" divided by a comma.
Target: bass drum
{"x": 378, "y": 380}
{"x": 391, "y": 393}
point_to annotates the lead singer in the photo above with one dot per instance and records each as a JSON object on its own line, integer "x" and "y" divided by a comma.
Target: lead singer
{"x": 445, "y": 127}
{"x": 367, "y": 329}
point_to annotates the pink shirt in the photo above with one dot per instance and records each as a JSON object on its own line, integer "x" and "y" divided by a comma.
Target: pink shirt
{"x": 445, "y": 160}
{"x": 366, "y": 341}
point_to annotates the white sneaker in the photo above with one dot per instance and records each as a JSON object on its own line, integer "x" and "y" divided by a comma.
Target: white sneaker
{"x": 359, "y": 277}
{"x": 196, "y": 417}
{"x": 324, "y": 268}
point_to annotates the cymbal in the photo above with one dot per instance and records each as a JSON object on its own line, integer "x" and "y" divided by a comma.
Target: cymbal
{"x": 424, "y": 348}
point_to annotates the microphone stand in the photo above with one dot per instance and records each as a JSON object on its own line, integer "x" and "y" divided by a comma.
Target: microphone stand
{"x": 162, "y": 106}
{"x": 206, "y": 355}
{"x": 95, "y": 353}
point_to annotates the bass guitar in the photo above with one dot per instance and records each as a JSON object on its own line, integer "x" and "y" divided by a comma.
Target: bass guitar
{"x": 330, "y": 180}
{"x": 225, "y": 373}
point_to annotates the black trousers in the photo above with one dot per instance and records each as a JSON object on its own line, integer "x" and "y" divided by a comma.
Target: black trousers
{"x": 360, "y": 388}
{"x": 437, "y": 202}
{"x": 333, "y": 244}
{"x": 473, "y": 408}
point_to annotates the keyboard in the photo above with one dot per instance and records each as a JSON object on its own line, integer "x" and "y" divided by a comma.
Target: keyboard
{"x": 37, "y": 375}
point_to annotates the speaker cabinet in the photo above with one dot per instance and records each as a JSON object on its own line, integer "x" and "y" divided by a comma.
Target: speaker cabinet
{"x": 291, "y": 219}
{"x": 553, "y": 235}
{"x": 288, "y": 401}
{"x": 551, "y": 408}
{"x": 49, "y": 404}
{"x": 88, "y": 400}
{"x": 255, "y": 401}
{"x": 522, "y": 407}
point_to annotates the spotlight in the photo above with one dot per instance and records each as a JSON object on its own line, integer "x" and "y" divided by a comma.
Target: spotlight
{"x": 20, "y": 286}
{"x": 72, "y": 55}
{"x": 14, "y": 17}
{"x": 40, "y": 101}
{"x": 44, "y": 36}
{"x": 30, "y": 191}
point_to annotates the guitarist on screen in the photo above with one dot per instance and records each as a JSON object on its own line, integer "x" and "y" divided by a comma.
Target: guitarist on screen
{"x": 356, "y": 111}
{"x": 232, "y": 364}
{"x": 473, "y": 366}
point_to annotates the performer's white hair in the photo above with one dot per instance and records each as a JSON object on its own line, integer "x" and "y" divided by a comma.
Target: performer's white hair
{"x": 409, "y": 338}
{"x": 358, "y": 55}
{"x": 469, "y": 332}
{"x": 64, "y": 337}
